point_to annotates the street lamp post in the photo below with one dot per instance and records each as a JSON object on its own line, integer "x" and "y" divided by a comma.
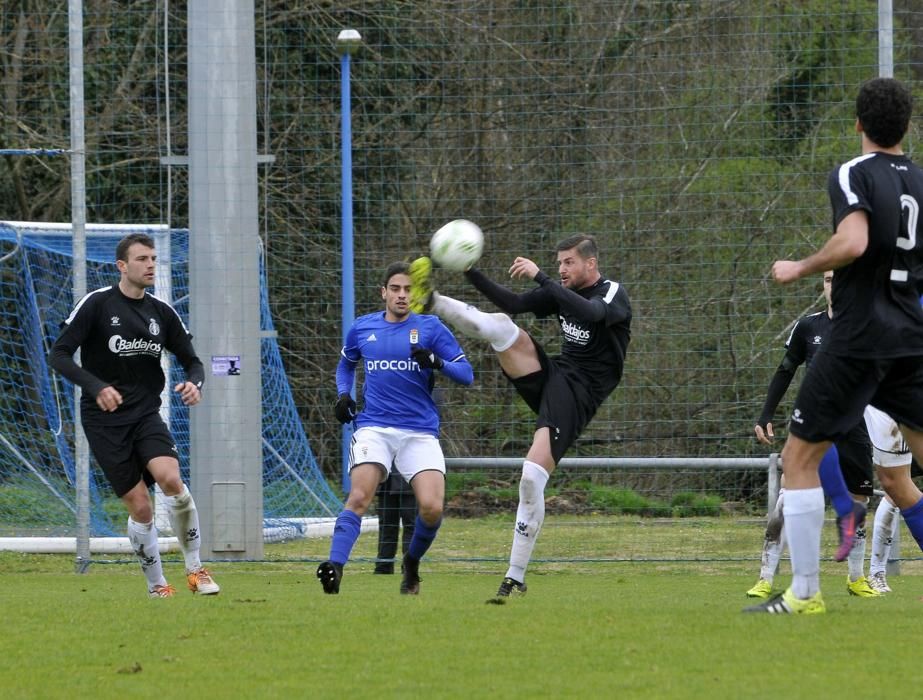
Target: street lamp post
{"x": 348, "y": 42}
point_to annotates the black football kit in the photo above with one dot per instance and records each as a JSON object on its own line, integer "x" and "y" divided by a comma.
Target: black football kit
{"x": 121, "y": 340}
{"x": 595, "y": 325}
{"x": 874, "y": 353}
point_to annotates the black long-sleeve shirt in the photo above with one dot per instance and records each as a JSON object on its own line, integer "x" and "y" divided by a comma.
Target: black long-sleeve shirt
{"x": 595, "y": 324}
{"x": 120, "y": 341}
{"x": 803, "y": 343}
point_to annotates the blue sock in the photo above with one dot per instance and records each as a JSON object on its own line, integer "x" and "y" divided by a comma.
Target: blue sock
{"x": 913, "y": 516}
{"x": 345, "y": 534}
{"x": 423, "y": 536}
{"x": 831, "y": 478}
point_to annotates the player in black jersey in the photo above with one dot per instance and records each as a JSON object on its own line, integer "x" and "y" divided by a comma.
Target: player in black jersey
{"x": 121, "y": 332}
{"x": 874, "y": 354}
{"x": 565, "y": 390}
{"x": 845, "y": 470}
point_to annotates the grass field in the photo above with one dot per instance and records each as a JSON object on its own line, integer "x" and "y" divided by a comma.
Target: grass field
{"x": 591, "y": 626}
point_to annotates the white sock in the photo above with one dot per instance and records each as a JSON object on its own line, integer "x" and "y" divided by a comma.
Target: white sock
{"x": 143, "y": 539}
{"x": 886, "y": 517}
{"x": 529, "y": 518}
{"x": 497, "y": 329}
{"x": 184, "y": 517}
{"x": 856, "y": 559}
{"x": 773, "y": 543}
{"x": 804, "y": 520}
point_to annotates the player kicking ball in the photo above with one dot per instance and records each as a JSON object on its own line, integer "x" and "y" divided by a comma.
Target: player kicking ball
{"x": 564, "y": 391}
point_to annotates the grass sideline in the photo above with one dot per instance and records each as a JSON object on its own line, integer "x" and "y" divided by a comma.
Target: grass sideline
{"x": 590, "y": 628}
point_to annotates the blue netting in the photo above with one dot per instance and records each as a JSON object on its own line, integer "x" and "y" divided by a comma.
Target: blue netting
{"x": 37, "y": 467}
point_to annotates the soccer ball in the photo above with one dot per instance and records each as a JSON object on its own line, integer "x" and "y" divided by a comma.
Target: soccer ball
{"x": 457, "y": 245}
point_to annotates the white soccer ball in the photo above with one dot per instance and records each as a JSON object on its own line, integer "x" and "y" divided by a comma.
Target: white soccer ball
{"x": 457, "y": 245}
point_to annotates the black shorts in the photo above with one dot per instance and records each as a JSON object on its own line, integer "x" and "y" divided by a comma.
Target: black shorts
{"x": 855, "y": 451}
{"x": 123, "y": 451}
{"x": 559, "y": 400}
{"x": 836, "y": 389}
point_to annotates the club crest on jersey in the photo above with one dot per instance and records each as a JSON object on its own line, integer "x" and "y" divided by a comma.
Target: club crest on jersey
{"x": 414, "y": 336}
{"x": 154, "y": 327}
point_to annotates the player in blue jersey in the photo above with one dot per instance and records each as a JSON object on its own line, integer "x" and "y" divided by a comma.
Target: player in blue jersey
{"x": 563, "y": 391}
{"x": 398, "y": 427}
{"x": 874, "y": 354}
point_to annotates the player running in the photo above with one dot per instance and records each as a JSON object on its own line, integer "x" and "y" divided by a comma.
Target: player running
{"x": 564, "y": 391}
{"x": 398, "y": 427}
{"x": 121, "y": 332}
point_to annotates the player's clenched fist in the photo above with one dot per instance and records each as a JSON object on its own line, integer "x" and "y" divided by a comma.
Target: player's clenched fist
{"x": 189, "y": 393}
{"x": 109, "y": 399}
{"x": 785, "y": 271}
{"x": 345, "y": 409}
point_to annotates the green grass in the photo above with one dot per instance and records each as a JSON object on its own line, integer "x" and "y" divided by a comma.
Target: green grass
{"x": 590, "y": 626}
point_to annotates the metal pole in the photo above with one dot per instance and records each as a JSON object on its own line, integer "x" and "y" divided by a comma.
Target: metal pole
{"x": 885, "y": 39}
{"x": 773, "y": 483}
{"x": 224, "y": 277}
{"x": 78, "y": 223}
{"x": 348, "y": 41}
{"x": 163, "y": 288}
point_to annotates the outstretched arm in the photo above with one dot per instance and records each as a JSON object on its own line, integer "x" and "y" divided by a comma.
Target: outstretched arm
{"x": 567, "y": 300}
{"x": 506, "y": 299}
{"x": 848, "y": 243}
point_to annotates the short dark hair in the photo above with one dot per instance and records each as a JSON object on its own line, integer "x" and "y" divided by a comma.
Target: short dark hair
{"x": 396, "y": 268}
{"x": 583, "y": 242}
{"x": 121, "y": 250}
{"x": 884, "y": 107}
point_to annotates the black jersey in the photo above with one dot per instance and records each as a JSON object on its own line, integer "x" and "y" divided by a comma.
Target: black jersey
{"x": 121, "y": 340}
{"x": 806, "y": 338}
{"x": 876, "y": 298}
{"x": 595, "y": 325}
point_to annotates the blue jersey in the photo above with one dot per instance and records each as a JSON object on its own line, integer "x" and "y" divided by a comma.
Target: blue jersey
{"x": 397, "y": 392}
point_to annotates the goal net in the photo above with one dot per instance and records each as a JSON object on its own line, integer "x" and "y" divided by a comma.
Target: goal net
{"x": 37, "y": 442}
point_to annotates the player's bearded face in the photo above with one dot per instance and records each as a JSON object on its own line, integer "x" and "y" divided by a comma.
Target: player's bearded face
{"x": 574, "y": 270}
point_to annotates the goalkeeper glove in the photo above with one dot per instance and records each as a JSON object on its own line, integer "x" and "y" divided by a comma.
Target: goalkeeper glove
{"x": 345, "y": 409}
{"x": 427, "y": 359}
